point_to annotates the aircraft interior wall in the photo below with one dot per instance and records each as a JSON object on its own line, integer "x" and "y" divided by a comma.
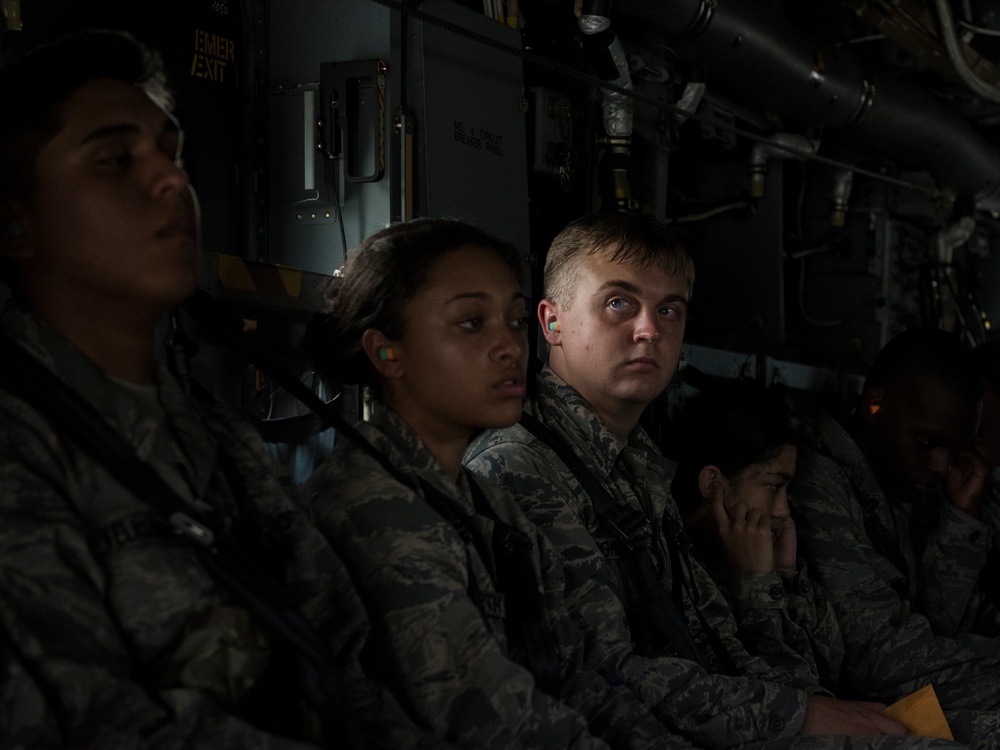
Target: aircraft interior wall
{"x": 834, "y": 173}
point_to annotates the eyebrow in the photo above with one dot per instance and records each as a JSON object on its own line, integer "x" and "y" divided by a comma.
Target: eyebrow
{"x": 781, "y": 475}
{"x": 628, "y": 286}
{"x": 484, "y": 296}
{"x": 127, "y": 128}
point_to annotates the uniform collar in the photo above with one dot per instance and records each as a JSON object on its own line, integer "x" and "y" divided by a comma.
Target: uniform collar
{"x": 145, "y": 432}
{"x": 411, "y": 457}
{"x": 567, "y": 412}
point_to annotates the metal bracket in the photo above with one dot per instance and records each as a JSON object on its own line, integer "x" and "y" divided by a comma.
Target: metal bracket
{"x": 352, "y": 96}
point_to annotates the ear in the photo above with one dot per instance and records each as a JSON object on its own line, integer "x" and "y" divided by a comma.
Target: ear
{"x": 15, "y": 234}
{"x": 710, "y": 482}
{"x": 383, "y": 353}
{"x": 548, "y": 319}
{"x": 872, "y": 402}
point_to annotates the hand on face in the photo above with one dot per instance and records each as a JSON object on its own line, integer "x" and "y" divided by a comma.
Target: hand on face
{"x": 745, "y": 535}
{"x": 965, "y": 482}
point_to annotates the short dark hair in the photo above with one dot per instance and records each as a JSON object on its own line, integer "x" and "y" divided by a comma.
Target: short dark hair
{"x": 632, "y": 238}
{"x": 732, "y": 426}
{"x": 387, "y": 271}
{"x": 927, "y": 355}
{"x": 35, "y": 88}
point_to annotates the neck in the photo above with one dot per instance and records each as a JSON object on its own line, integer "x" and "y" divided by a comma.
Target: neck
{"x": 120, "y": 343}
{"x": 620, "y": 419}
{"x": 446, "y": 445}
{"x": 449, "y": 455}
{"x": 619, "y": 416}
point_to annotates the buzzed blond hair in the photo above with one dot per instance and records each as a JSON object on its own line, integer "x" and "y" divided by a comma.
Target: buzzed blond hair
{"x": 626, "y": 238}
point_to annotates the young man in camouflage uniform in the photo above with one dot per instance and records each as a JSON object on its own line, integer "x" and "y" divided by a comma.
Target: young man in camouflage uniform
{"x": 614, "y": 312}
{"x": 887, "y": 506}
{"x": 116, "y": 631}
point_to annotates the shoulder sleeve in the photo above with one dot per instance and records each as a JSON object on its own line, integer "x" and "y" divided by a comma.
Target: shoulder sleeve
{"x": 948, "y": 583}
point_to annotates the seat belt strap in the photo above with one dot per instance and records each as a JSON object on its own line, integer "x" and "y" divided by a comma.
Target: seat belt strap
{"x": 629, "y": 525}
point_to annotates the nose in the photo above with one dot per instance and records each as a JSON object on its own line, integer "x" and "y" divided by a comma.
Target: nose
{"x": 510, "y": 344}
{"x": 646, "y": 326}
{"x": 167, "y": 176}
{"x": 939, "y": 461}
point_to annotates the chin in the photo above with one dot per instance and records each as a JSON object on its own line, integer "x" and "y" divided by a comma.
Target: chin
{"x": 644, "y": 393}
{"x": 501, "y": 419}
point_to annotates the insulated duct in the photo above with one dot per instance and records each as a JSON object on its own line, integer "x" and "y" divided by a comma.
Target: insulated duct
{"x": 607, "y": 57}
{"x": 750, "y": 46}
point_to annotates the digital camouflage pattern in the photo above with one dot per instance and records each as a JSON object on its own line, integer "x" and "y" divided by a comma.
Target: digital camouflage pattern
{"x": 796, "y": 614}
{"x": 112, "y": 633}
{"x": 418, "y": 575}
{"x": 780, "y": 616}
{"x": 708, "y": 707}
{"x": 952, "y": 553}
{"x": 859, "y": 549}
{"x": 987, "y": 620}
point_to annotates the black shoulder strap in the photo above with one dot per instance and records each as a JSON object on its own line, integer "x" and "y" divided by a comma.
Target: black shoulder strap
{"x": 527, "y": 614}
{"x": 629, "y": 526}
{"x": 76, "y": 418}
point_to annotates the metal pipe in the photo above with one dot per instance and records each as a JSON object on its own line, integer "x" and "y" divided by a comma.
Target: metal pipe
{"x": 751, "y": 46}
{"x": 607, "y": 57}
{"x": 843, "y": 181}
{"x": 778, "y": 146}
{"x": 957, "y": 55}
{"x": 953, "y": 236}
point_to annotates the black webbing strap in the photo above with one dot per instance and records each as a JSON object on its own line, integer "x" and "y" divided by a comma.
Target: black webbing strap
{"x": 513, "y": 551}
{"x": 629, "y": 527}
{"x": 528, "y": 635}
{"x": 26, "y": 377}
{"x": 529, "y": 640}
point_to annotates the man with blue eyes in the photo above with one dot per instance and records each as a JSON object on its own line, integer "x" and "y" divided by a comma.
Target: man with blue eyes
{"x": 585, "y": 472}
{"x": 887, "y": 508}
{"x": 116, "y": 629}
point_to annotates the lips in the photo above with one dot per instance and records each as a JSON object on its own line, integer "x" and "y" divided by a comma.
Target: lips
{"x": 643, "y": 363}
{"x": 177, "y": 227}
{"x": 511, "y": 387}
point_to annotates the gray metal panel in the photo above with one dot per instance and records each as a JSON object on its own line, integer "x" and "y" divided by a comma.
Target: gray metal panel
{"x": 467, "y": 103}
{"x": 303, "y": 35}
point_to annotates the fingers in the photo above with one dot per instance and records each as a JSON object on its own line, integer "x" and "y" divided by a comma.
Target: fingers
{"x": 886, "y": 726}
{"x": 749, "y": 518}
{"x": 719, "y": 509}
{"x": 746, "y": 538}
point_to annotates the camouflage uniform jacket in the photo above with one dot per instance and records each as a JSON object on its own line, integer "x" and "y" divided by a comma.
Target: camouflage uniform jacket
{"x": 112, "y": 632}
{"x": 987, "y": 620}
{"x": 781, "y": 616}
{"x": 707, "y": 707}
{"x": 859, "y": 550}
{"x": 444, "y": 652}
